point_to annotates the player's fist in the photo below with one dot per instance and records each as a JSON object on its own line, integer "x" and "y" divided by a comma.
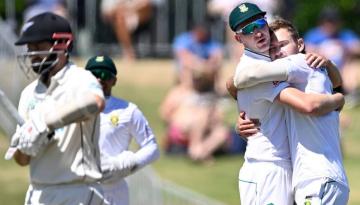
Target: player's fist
{"x": 33, "y": 135}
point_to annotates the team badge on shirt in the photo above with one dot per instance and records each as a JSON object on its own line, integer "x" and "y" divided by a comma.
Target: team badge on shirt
{"x": 114, "y": 119}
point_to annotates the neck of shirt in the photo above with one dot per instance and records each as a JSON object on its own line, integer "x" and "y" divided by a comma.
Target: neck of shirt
{"x": 256, "y": 55}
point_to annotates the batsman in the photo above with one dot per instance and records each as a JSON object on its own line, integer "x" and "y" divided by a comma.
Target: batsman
{"x": 59, "y": 139}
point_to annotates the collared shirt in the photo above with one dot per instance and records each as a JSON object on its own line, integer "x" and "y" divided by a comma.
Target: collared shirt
{"x": 72, "y": 156}
{"x": 271, "y": 142}
{"x": 314, "y": 140}
{"x": 121, "y": 121}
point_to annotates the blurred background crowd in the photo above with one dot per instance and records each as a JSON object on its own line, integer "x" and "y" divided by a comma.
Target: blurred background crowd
{"x": 195, "y": 34}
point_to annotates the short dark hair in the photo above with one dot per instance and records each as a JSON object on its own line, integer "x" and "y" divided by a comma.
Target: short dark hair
{"x": 282, "y": 23}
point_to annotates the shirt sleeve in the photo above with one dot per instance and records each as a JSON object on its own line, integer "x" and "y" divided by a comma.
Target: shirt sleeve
{"x": 145, "y": 137}
{"x": 91, "y": 84}
{"x": 297, "y": 68}
{"x": 181, "y": 42}
{"x": 251, "y": 74}
{"x": 274, "y": 90}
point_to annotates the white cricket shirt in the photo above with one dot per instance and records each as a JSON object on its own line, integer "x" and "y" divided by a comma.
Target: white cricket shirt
{"x": 72, "y": 156}
{"x": 120, "y": 122}
{"x": 271, "y": 142}
{"x": 314, "y": 141}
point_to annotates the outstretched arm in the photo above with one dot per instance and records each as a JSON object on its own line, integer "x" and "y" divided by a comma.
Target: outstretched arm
{"x": 260, "y": 72}
{"x": 293, "y": 69}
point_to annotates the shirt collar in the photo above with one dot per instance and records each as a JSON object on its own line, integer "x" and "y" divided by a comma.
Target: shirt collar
{"x": 59, "y": 76}
{"x": 256, "y": 55}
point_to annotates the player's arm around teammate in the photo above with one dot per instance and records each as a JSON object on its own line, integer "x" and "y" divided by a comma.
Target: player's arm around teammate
{"x": 327, "y": 184}
{"x": 307, "y": 103}
{"x": 281, "y": 70}
{"x": 317, "y": 61}
{"x": 285, "y": 70}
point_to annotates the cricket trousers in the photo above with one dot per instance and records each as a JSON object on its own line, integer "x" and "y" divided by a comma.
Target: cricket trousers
{"x": 69, "y": 194}
{"x": 265, "y": 183}
{"x": 321, "y": 191}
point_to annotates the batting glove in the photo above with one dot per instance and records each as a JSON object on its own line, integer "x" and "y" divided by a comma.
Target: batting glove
{"x": 33, "y": 135}
{"x": 121, "y": 166}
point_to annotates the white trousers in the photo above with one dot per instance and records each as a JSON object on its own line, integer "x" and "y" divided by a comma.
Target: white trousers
{"x": 262, "y": 183}
{"x": 79, "y": 194}
{"x": 321, "y": 191}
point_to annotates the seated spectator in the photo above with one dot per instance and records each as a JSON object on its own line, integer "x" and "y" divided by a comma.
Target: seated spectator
{"x": 125, "y": 17}
{"x": 223, "y": 8}
{"x": 336, "y": 43}
{"x": 35, "y": 7}
{"x": 195, "y": 121}
{"x": 196, "y": 50}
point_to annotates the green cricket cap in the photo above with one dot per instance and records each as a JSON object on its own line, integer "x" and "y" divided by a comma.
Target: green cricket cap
{"x": 104, "y": 63}
{"x": 242, "y": 12}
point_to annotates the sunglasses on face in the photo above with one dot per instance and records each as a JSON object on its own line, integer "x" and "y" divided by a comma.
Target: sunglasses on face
{"x": 102, "y": 74}
{"x": 250, "y": 28}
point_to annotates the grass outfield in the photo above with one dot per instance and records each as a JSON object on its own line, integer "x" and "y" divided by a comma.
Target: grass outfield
{"x": 145, "y": 83}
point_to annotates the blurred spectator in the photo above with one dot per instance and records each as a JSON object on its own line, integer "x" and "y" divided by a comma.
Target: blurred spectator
{"x": 223, "y": 8}
{"x": 35, "y": 7}
{"x": 194, "y": 51}
{"x": 195, "y": 121}
{"x": 340, "y": 45}
{"x": 125, "y": 16}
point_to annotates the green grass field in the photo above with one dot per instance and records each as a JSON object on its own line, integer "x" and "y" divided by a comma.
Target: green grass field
{"x": 146, "y": 83}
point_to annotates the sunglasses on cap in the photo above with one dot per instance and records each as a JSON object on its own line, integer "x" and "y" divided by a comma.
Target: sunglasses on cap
{"x": 250, "y": 28}
{"x": 102, "y": 74}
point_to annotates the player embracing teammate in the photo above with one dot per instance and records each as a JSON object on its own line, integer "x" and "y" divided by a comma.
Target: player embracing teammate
{"x": 295, "y": 112}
